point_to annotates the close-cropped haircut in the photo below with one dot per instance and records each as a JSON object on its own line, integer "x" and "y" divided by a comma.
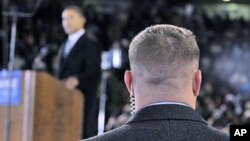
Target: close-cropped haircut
{"x": 76, "y": 9}
{"x": 164, "y": 51}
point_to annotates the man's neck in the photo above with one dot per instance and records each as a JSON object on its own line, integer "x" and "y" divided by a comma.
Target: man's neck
{"x": 151, "y": 100}
{"x": 79, "y": 31}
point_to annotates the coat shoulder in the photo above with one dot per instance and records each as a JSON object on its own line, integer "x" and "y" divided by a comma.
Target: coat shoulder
{"x": 112, "y": 135}
{"x": 219, "y": 135}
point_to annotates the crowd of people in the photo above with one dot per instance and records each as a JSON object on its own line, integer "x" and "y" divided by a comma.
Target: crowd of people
{"x": 224, "y": 46}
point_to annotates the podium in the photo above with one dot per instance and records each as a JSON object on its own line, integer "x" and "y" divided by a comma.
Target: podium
{"x": 44, "y": 111}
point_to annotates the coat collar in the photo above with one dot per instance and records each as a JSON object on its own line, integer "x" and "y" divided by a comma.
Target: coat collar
{"x": 166, "y": 112}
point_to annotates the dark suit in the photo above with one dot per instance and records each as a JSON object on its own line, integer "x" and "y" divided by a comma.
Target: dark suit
{"x": 84, "y": 62}
{"x": 164, "y": 123}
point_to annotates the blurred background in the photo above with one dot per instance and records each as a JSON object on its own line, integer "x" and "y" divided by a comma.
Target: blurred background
{"x": 222, "y": 29}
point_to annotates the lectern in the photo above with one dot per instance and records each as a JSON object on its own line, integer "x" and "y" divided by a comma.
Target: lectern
{"x": 41, "y": 109}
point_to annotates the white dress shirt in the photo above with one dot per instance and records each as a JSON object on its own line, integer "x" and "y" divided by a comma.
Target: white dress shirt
{"x": 163, "y": 103}
{"x": 72, "y": 39}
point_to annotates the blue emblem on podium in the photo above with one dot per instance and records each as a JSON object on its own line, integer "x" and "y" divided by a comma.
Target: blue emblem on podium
{"x": 10, "y": 88}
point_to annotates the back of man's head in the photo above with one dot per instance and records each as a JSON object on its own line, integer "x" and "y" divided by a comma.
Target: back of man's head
{"x": 162, "y": 52}
{"x": 163, "y": 56}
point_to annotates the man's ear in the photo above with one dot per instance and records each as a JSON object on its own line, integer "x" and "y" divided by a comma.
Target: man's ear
{"x": 128, "y": 79}
{"x": 197, "y": 78}
{"x": 84, "y": 21}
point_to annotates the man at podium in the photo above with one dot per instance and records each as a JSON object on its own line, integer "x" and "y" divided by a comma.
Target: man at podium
{"x": 79, "y": 64}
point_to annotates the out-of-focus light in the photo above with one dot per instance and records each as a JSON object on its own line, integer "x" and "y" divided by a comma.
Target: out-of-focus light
{"x": 117, "y": 55}
{"x": 232, "y": 7}
{"x": 226, "y": 0}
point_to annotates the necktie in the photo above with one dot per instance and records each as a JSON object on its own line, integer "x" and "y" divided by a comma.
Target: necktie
{"x": 67, "y": 48}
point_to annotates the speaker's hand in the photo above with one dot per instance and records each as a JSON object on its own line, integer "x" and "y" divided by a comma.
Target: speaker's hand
{"x": 71, "y": 83}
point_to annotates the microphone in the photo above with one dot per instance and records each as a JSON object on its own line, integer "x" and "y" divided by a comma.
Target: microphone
{"x": 38, "y": 63}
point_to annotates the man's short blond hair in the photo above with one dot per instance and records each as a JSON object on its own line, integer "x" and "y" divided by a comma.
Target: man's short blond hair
{"x": 162, "y": 52}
